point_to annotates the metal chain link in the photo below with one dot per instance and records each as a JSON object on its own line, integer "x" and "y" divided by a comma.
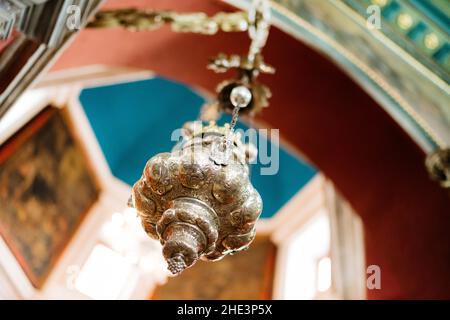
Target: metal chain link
{"x": 258, "y": 31}
{"x": 259, "y": 24}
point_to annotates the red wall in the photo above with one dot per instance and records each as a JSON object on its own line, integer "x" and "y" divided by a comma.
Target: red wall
{"x": 329, "y": 119}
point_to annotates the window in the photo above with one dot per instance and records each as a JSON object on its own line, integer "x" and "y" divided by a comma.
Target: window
{"x": 308, "y": 267}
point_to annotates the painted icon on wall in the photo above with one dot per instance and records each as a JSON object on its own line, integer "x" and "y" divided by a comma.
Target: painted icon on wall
{"x": 46, "y": 188}
{"x": 248, "y": 275}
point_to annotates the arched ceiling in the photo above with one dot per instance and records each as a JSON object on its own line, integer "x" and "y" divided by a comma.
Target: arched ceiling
{"x": 331, "y": 120}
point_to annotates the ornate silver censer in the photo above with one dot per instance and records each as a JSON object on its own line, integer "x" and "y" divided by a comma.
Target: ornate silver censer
{"x": 198, "y": 200}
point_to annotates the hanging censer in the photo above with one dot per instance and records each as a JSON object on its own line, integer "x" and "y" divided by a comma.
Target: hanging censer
{"x": 198, "y": 200}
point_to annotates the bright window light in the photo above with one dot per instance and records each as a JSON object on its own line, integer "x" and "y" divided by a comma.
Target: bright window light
{"x": 104, "y": 275}
{"x": 306, "y": 248}
{"x": 324, "y": 274}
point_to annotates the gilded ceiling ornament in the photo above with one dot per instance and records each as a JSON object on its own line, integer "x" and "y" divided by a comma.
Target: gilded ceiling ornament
{"x": 247, "y": 73}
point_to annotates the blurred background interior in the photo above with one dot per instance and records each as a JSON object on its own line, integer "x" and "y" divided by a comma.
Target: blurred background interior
{"x": 358, "y": 109}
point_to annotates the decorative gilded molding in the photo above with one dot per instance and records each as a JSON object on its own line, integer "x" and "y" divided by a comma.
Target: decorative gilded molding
{"x": 424, "y": 36}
